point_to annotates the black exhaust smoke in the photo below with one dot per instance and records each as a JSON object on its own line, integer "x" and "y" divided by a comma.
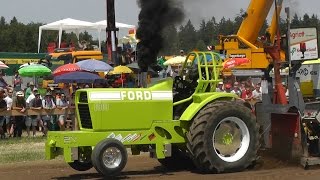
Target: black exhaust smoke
{"x": 154, "y": 17}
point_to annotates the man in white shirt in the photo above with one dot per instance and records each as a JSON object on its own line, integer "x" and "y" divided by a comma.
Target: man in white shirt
{"x": 257, "y": 94}
{"x": 34, "y": 91}
{"x": 220, "y": 87}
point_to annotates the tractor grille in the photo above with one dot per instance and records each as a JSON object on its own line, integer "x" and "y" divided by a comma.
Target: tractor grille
{"x": 85, "y": 117}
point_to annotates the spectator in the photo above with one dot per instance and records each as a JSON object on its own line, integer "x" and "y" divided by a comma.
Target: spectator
{"x": 286, "y": 90}
{"x": 72, "y": 99}
{"x": 182, "y": 53}
{"x": 9, "y": 122}
{"x": 66, "y": 90}
{"x": 227, "y": 88}
{"x": 32, "y": 120}
{"x": 19, "y": 104}
{"x": 47, "y": 103}
{"x": 247, "y": 94}
{"x": 236, "y": 89}
{"x": 249, "y": 82}
{"x": 83, "y": 45}
{"x": 3, "y": 107}
{"x": 63, "y": 104}
{"x": 29, "y": 90}
{"x": 17, "y": 82}
{"x": 257, "y": 94}
{"x": 32, "y": 95}
{"x": 243, "y": 86}
{"x": 3, "y": 83}
{"x": 220, "y": 87}
{"x": 127, "y": 56}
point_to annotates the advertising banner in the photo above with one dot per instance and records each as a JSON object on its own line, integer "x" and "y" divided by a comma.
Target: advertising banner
{"x": 303, "y": 44}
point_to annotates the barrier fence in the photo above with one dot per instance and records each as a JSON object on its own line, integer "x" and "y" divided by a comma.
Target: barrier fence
{"x": 42, "y": 112}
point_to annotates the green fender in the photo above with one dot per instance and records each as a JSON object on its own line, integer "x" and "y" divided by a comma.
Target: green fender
{"x": 200, "y": 100}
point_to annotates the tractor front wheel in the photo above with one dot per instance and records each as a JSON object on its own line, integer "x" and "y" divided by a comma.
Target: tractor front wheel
{"x": 224, "y": 137}
{"x": 109, "y": 157}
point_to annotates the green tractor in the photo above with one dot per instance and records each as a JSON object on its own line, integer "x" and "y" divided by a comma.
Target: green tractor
{"x": 180, "y": 121}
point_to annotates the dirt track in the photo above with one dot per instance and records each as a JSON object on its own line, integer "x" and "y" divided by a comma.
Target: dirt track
{"x": 142, "y": 167}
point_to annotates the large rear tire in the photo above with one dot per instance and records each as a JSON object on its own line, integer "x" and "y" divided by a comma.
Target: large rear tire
{"x": 224, "y": 137}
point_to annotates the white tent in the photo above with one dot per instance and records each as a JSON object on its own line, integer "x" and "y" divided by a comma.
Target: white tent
{"x": 102, "y": 25}
{"x": 64, "y": 24}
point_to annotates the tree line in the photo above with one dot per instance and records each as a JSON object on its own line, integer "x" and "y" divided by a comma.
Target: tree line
{"x": 18, "y": 37}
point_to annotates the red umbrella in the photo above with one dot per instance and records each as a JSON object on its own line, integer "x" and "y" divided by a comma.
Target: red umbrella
{"x": 66, "y": 69}
{"x": 233, "y": 62}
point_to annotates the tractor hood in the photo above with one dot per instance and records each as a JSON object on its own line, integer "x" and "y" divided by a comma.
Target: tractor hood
{"x": 124, "y": 108}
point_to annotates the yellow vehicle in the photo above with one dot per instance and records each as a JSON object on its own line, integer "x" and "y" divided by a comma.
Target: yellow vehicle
{"x": 246, "y": 43}
{"x": 50, "y": 83}
{"x": 66, "y": 56}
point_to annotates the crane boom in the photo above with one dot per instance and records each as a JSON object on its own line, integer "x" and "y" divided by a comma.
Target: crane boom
{"x": 246, "y": 42}
{"x": 255, "y": 16}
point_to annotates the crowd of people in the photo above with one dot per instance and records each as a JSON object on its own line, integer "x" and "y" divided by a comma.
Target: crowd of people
{"x": 13, "y": 98}
{"x": 246, "y": 90}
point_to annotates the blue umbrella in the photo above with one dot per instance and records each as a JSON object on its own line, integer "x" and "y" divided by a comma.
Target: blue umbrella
{"x": 93, "y": 65}
{"x": 78, "y": 77}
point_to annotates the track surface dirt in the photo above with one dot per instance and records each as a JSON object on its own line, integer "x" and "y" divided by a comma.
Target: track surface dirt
{"x": 143, "y": 167}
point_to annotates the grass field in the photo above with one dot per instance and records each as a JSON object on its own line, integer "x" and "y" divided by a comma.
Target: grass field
{"x": 21, "y": 150}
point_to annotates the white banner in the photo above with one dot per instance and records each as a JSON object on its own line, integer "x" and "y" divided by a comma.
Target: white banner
{"x": 303, "y": 44}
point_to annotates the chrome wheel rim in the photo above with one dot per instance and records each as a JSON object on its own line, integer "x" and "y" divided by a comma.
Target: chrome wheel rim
{"x": 231, "y": 139}
{"x": 112, "y": 157}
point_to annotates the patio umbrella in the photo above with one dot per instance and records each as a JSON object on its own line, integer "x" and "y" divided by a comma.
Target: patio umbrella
{"x": 93, "y": 65}
{"x": 178, "y": 60}
{"x": 3, "y": 66}
{"x": 133, "y": 65}
{"x": 78, "y": 77}
{"x": 34, "y": 70}
{"x": 121, "y": 70}
{"x": 66, "y": 69}
{"x": 27, "y": 64}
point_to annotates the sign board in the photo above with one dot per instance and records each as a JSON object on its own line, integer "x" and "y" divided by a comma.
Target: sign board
{"x": 310, "y": 73}
{"x": 303, "y": 44}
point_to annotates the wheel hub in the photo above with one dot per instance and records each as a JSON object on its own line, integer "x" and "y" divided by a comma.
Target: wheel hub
{"x": 231, "y": 139}
{"x": 112, "y": 157}
{"x": 227, "y": 139}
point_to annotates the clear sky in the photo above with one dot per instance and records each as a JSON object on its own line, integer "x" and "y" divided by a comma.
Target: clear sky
{"x": 127, "y": 11}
